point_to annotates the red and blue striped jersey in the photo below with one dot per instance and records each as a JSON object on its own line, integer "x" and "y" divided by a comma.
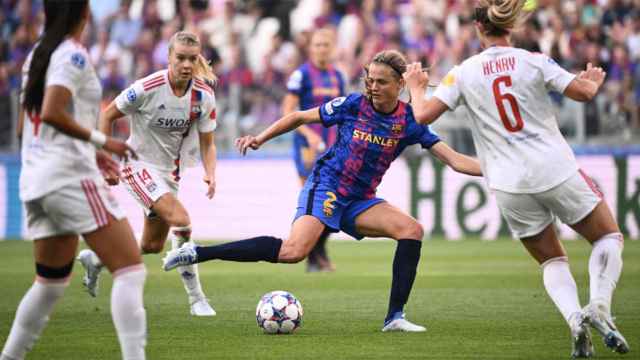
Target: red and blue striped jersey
{"x": 367, "y": 142}
{"x": 314, "y": 87}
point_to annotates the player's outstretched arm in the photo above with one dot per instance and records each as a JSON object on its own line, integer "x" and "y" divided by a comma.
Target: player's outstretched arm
{"x": 586, "y": 84}
{"x": 281, "y": 126}
{"x": 290, "y": 103}
{"x": 459, "y": 162}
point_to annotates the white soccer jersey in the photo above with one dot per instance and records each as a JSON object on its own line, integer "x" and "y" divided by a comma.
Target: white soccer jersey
{"x": 163, "y": 126}
{"x": 51, "y": 159}
{"x": 514, "y": 128}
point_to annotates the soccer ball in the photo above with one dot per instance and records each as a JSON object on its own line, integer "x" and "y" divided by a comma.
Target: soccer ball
{"x": 279, "y": 312}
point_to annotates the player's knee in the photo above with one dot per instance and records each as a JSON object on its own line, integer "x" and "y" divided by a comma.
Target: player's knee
{"x": 179, "y": 219}
{"x": 412, "y": 230}
{"x": 292, "y": 254}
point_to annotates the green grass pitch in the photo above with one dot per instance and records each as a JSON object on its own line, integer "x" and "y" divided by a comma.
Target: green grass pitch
{"x": 479, "y": 300}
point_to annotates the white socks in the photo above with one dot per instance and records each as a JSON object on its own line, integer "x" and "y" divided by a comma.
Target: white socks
{"x": 31, "y": 317}
{"x": 605, "y": 266}
{"x": 188, "y": 273}
{"x": 128, "y": 312}
{"x": 561, "y": 286}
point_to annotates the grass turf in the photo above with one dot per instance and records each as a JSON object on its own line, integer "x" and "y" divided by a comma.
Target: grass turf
{"x": 479, "y": 300}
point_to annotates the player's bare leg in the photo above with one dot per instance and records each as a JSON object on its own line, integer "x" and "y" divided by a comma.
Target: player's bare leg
{"x": 605, "y": 266}
{"x": 174, "y": 220}
{"x": 546, "y": 248}
{"x": 304, "y": 235}
{"x": 386, "y": 220}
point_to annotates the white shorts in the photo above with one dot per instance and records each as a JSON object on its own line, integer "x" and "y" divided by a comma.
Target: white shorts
{"x": 529, "y": 214}
{"x": 146, "y": 184}
{"x": 77, "y": 208}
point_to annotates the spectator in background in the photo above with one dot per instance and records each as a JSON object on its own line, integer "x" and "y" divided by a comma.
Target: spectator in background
{"x": 102, "y": 49}
{"x": 113, "y": 82}
{"x": 5, "y": 100}
{"x": 124, "y": 30}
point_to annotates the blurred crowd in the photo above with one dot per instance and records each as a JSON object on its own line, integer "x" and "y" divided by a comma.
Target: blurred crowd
{"x": 254, "y": 45}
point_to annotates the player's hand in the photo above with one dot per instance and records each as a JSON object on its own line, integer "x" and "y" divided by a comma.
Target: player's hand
{"x": 109, "y": 168}
{"x": 247, "y": 142}
{"x": 119, "y": 148}
{"x": 211, "y": 189}
{"x": 415, "y": 76}
{"x": 595, "y": 74}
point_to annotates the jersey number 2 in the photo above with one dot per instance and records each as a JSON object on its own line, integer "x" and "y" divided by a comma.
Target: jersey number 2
{"x": 500, "y": 98}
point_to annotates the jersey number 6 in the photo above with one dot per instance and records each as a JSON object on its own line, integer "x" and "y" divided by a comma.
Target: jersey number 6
{"x": 500, "y": 98}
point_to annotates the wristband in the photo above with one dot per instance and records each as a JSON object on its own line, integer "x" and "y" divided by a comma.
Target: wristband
{"x": 97, "y": 138}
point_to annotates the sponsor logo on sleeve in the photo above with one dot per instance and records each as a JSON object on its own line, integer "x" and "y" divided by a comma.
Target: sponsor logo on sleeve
{"x": 78, "y": 60}
{"x": 328, "y": 107}
{"x": 131, "y": 95}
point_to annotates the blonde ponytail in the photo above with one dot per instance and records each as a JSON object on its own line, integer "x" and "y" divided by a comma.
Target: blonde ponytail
{"x": 202, "y": 70}
{"x": 500, "y": 17}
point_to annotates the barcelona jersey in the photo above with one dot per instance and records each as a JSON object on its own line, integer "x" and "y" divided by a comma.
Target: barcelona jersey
{"x": 366, "y": 144}
{"x": 314, "y": 87}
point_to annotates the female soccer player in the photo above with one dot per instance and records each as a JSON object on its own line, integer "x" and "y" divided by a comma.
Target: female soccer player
{"x": 530, "y": 166}
{"x": 314, "y": 83}
{"x": 340, "y": 194}
{"x": 63, "y": 189}
{"x": 170, "y": 111}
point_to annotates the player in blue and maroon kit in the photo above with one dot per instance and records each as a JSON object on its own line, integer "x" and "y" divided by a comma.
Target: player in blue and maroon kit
{"x": 314, "y": 83}
{"x": 340, "y": 193}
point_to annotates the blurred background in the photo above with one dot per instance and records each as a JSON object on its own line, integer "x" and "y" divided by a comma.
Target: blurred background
{"x": 254, "y": 45}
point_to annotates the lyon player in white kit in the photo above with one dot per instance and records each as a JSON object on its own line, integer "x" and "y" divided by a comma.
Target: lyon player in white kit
{"x": 170, "y": 111}
{"x": 530, "y": 166}
{"x": 62, "y": 188}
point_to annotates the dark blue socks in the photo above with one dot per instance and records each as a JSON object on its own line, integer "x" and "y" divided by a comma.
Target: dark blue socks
{"x": 405, "y": 264}
{"x": 261, "y": 248}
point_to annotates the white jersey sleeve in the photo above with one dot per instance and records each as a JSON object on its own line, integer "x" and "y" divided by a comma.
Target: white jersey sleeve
{"x": 69, "y": 70}
{"x": 555, "y": 77}
{"x": 449, "y": 91}
{"x": 131, "y": 99}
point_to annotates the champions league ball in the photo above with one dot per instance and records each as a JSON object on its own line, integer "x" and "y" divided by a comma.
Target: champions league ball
{"x": 279, "y": 312}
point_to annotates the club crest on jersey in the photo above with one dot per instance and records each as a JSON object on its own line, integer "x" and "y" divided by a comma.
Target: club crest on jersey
{"x": 78, "y": 60}
{"x": 131, "y": 95}
{"x": 396, "y": 129}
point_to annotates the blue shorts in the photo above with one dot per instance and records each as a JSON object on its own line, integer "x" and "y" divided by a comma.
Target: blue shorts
{"x": 335, "y": 211}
